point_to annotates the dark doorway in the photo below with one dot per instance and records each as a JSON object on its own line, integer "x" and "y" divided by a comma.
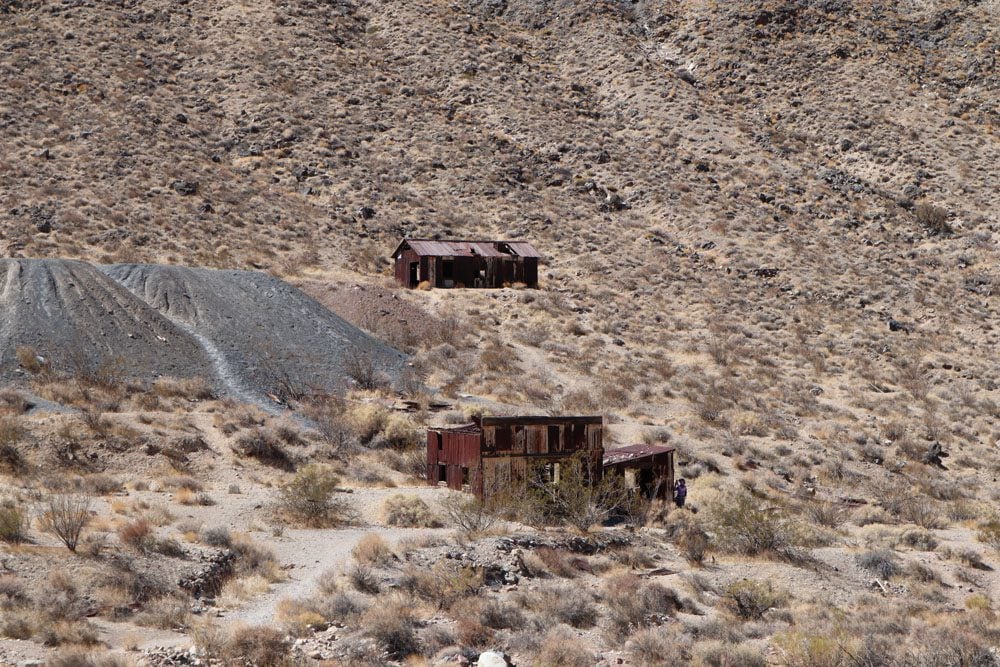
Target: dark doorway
{"x": 442, "y": 473}
{"x": 414, "y": 278}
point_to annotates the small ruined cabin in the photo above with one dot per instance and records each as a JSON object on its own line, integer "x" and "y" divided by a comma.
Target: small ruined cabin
{"x": 498, "y": 454}
{"x": 466, "y": 263}
{"x": 647, "y": 468}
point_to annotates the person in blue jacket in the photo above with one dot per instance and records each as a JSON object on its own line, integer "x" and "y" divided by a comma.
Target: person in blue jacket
{"x": 680, "y": 493}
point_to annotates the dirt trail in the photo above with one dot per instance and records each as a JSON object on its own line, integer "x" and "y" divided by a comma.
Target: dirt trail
{"x": 313, "y": 552}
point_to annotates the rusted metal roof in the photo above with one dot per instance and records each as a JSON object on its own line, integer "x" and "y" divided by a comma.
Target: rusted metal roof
{"x": 484, "y": 248}
{"x": 536, "y": 420}
{"x": 461, "y": 428}
{"x": 631, "y": 453}
{"x": 466, "y": 248}
{"x": 440, "y": 248}
{"x": 523, "y": 249}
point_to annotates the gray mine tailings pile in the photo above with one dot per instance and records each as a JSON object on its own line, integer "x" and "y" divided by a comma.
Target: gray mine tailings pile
{"x": 247, "y": 332}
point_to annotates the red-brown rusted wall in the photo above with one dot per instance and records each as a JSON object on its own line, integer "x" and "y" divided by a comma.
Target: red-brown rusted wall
{"x": 454, "y": 450}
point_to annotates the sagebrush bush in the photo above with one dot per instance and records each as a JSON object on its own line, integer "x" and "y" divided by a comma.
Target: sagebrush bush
{"x": 65, "y": 516}
{"x": 371, "y": 549}
{"x": 12, "y": 524}
{"x": 747, "y": 526}
{"x": 217, "y": 537}
{"x": 363, "y": 579}
{"x": 750, "y": 599}
{"x": 989, "y": 533}
{"x": 257, "y": 645}
{"x": 263, "y": 445}
{"x": 656, "y": 647}
{"x": 634, "y": 603}
{"x": 408, "y": 512}
{"x": 253, "y": 558}
{"x": 564, "y": 603}
{"x": 883, "y": 563}
{"x": 720, "y": 654}
{"x": 468, "y": 513}
{"x": 137, "y": 535}
{"x": 310, "y": 498}
{"x": 443, "y": 584}
{"x": 392, "y": 624}
{"x": 561, "y": 647}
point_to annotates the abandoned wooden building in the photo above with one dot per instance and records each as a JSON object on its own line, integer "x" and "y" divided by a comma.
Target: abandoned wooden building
{"x": 647, "y": 468}
{"x": 465, "y": 263}
{"x": 501, "y": 454}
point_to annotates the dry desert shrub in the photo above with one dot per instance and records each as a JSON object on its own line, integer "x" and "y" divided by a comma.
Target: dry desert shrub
{"x": 137, "y": 585}
{"x": 561, "y": 647}
{"x": 574, "y": 500}
{"x": 265, "y": 446}
{"x": 443, "y": 584}
{"x": 65, "y": 516}
{"x": 393, "y": 625}
{"x": 658, "y": 647}
{"x": 746, "y": 525}
{"x": 11, "y": 432}
{"x": 408, "y": 512}
{"x": 563, "y": 603}
{"x": 217, "y": 537}
{"x": 13, "y": 403}
{"x": 137, "y": 535}
{"x": 365, "y": 374}
{"x": 166, "y": 613}
{"x": 83, "y": 658}
{"x": 635, "y": 603}
{"x": 721, "y": 654}
{"x": 546, "y": 561}
{"x": 310, "y": 498}
{"x": 989, "y": 533}
{"x": 13, "y": 523}
{"x": 469, "y": 514}
{"x": 329, "y": 413}
{"x": 253, "y": 558}
{"x": 882, "y": 563}
{"x": 750, "y": 599}
{"x": 363, "y": 579}
{"x": 934, "y": 218}
{"x": 492, "y": 612}
{"x": 919, "y": 539}
{"x": 194, "y": 389}
{"x": 299, "y": 617}
{"x": 256, "y": 645}
{"x": 101, "y": 484}
{"x": 371, "y": 549}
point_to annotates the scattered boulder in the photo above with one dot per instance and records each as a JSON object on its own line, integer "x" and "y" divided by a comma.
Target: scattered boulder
{"x": 185, "y": 187}
{"x": 493, "y": 659}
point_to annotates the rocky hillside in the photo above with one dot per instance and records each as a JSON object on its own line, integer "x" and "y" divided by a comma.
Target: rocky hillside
{"x": 793, "y": 200}
{"x": 770, "y": 231}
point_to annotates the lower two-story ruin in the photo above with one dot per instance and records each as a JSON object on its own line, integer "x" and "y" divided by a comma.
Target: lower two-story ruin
{"x": 503, "y": 454}
{"x": 495, "y": 455}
